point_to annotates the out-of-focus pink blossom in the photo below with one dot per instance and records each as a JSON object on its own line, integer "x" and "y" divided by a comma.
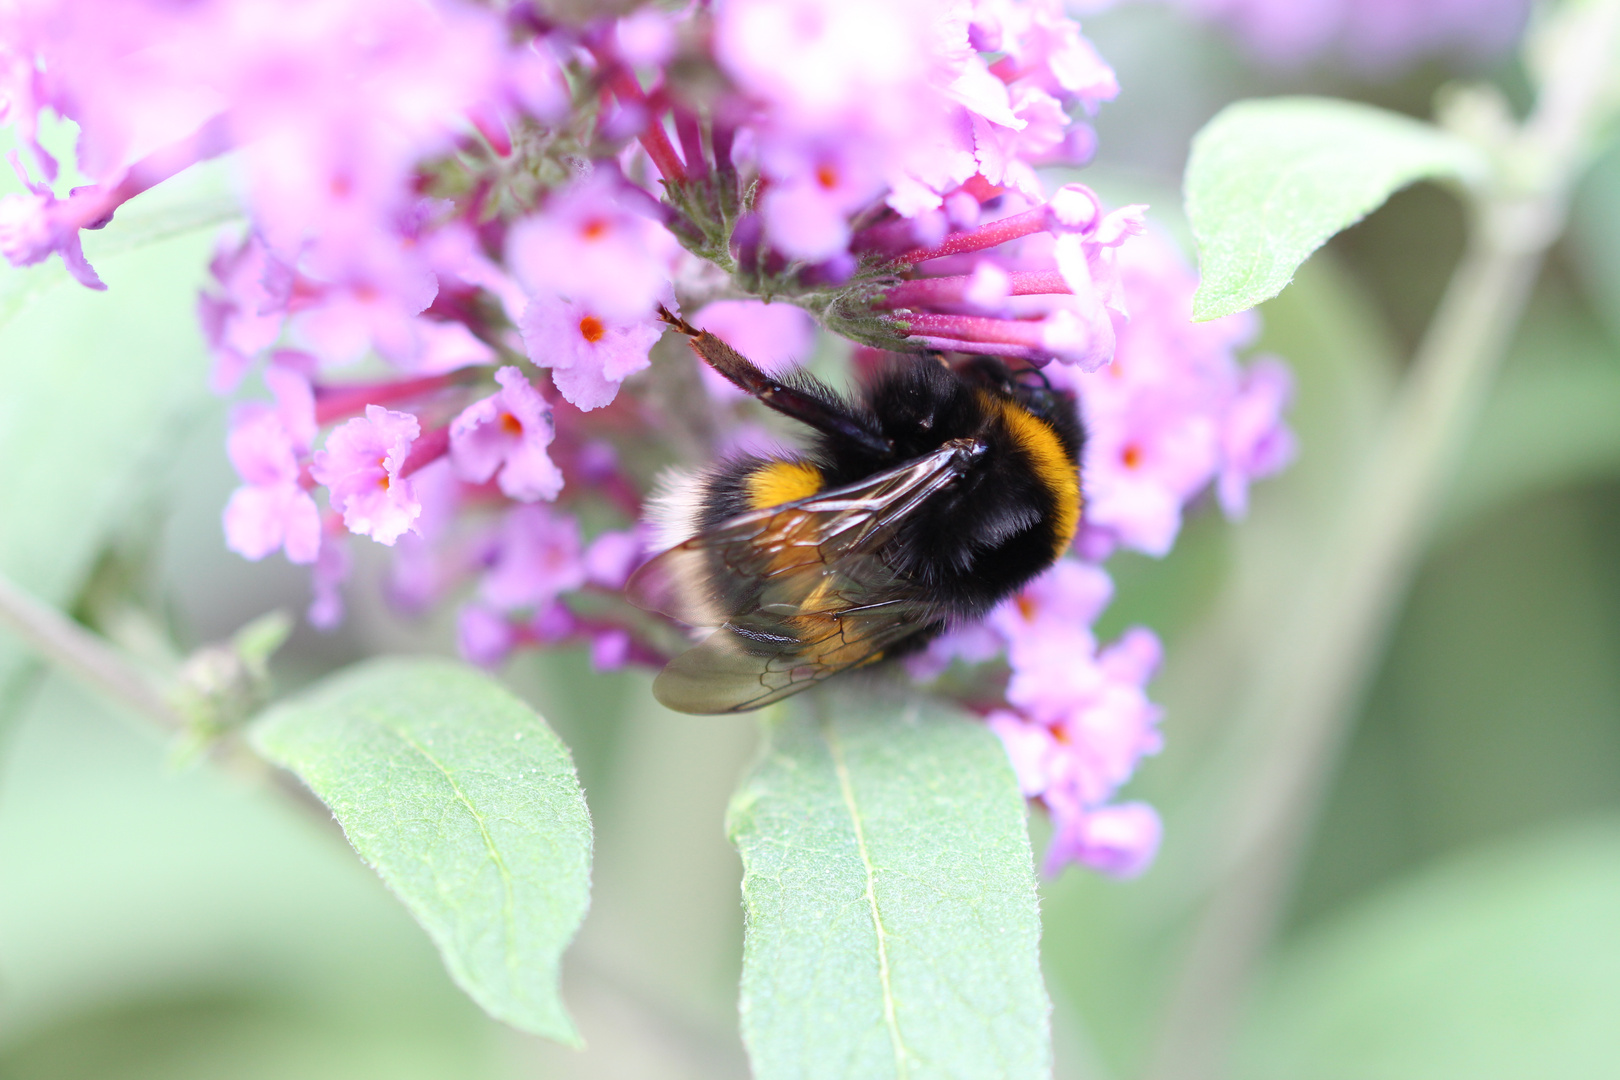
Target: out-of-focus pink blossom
{"x": 807, "y": 211}
{"x": 1254, "y": 441}
{"x": 535, "y": 559}
{"x": 244, "y": 317}
{"x": 589, "y": 247}
{"x": 267, "y": 445}
{"x": 1377, "y": 36}
{"x": 588, "y": 353}
{"x": 611, "y": 557}
{"x": 1120, "y": 840}
{"x": 483, "y": 636}
{"x": 822, "y": 62}
{"x": 36, "y": 223}
{"x": 507, "y": 432}
{"x": 610, "y": 649}
{"x": 271, "y": 509}
{"x": 361, "y": 466}
{"x": 645, "y": 37}
{"x": 774, "y": 336}
{"x": 332, "y": 568}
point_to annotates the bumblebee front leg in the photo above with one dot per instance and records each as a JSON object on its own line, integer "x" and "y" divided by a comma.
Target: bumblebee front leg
{"x": 802, "y": 404}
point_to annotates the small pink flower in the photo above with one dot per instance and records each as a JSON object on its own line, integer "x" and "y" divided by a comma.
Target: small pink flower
{"x": 816, "y": 188}
{"x": 266, "y": 444}
{"x": 1070, "y": 594}
{"x": 588, "y": 353}
{"x": 509, "y": 432}
{"x": 342, "y": 321}
{"x": 1032, "y": 749}
{"x": 271, "y": 510}
{"x": 260, "y": 519}
{"x": 586, "y": 244}
{"x": 244, "y": 317}
{"x": 361, "y": 465}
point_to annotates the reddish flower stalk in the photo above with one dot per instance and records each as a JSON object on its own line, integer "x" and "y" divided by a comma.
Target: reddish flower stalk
{"x": 335, "y": 402}
{"x": 691, "y": 135}
{"x": 985, "y": 236}
{"x": 429, "y": 447}
{"x": 1017, "y": 335}
{"x": 927, "y": 292}
{"x": 622, "y": 81}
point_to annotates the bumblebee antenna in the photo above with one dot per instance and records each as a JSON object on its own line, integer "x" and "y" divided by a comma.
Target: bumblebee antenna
{"x": 799, "y": 403}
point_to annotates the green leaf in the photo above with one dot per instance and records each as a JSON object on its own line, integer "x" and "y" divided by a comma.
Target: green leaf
{"x": 1501, "y": 963}
{"x": 468, "y": 806}
{"x": 892, "y": 925}
{"x": 1269, "y": 181}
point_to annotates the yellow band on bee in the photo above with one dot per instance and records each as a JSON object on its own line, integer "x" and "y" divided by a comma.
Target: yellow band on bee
{"x": 1052, "y": 466}
{"x": 779, "y": 482}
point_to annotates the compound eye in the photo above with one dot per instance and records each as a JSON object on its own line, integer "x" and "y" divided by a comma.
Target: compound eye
{"x": 1041, "y": 402}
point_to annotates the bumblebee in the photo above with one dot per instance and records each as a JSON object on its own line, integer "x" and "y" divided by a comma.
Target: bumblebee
{"x": 930, "y": 497}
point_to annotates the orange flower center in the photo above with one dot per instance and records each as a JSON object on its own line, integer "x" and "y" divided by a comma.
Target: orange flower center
{"x": 511, "y": 424}
{"x": 827, "y": 177}
{"x": 1132, "y": 457}
{"x": 591, "y": 329}
{"x": 594, "y": 228}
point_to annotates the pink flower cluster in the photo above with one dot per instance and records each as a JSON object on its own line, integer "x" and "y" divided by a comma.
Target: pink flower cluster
{"x": 445, "y": 199}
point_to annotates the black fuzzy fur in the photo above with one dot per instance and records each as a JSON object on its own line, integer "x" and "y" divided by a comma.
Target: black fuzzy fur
{"x": 979, "y": 540}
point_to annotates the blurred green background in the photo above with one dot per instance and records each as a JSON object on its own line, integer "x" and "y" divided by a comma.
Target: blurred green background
{"x": 1457, "y": 914}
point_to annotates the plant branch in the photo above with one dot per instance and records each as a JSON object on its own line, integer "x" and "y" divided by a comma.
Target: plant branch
{"x": 1328, "y": 646}
{"x": 90, "y": 659}
{"x": 65, "y": 643}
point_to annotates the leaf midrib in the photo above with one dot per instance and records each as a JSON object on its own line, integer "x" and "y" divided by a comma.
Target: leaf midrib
{"x": 508, "y": 888}
{"x": 847, "y": 790}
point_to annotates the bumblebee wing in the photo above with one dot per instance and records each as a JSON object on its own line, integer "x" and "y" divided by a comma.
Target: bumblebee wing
{"x": 760, "y": 658}
{"x": 776, "y": 559}
{"x": 797, "y": 592}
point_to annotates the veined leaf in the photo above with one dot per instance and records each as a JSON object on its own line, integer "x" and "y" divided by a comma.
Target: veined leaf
{"x": 892, "y": 927}
{"x": 1269, "y": 181}
{"x": 468, "y": 806}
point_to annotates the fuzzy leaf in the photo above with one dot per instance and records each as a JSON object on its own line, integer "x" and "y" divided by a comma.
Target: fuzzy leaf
{"x": 468, "y": 806}
{"x": 892, "y": 927}
{"x": 1269, "y": 181}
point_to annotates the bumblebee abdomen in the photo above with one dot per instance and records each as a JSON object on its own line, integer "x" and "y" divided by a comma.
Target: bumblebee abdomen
{"x": 773, "y": 483}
